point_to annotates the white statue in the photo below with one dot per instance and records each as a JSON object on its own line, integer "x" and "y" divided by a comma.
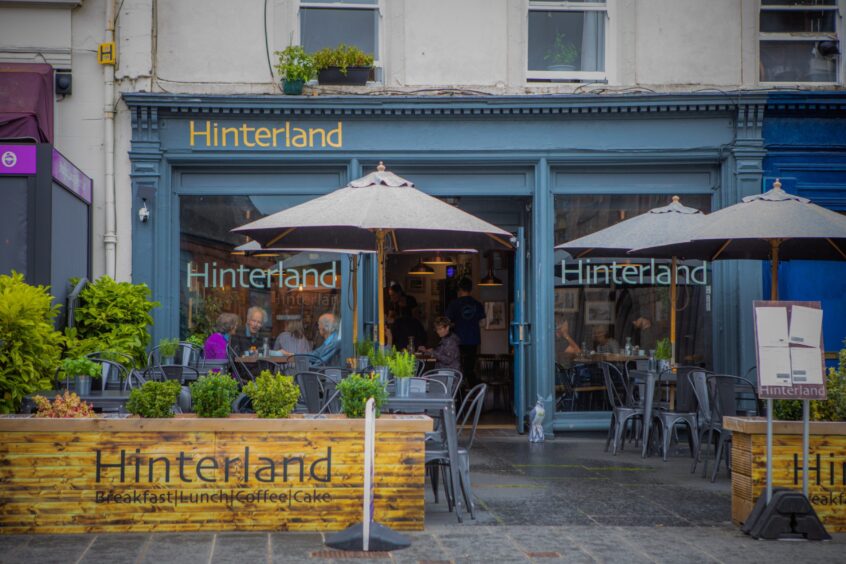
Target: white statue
{"x": 536, "y": 417}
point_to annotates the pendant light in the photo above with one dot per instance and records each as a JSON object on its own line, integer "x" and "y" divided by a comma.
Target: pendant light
{"x": 439, "y": 260}
{"x": 421, "y": 269}
{"x": 490, "y": 281}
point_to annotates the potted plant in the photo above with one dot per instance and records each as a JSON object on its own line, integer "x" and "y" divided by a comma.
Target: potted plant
{"x": 212, "y": 395}
{"x": 82, "y": 370}
{"x": 344, "y": 65}
{"x": 63, "y": 406}
{"x": 154, "y": 399}
{"x": 273, "y": 396}
{"x": 356, "y": 389}
{"x": 379, "y": 357}
{"x": 563, "y": 54}
{"x": 363, "y": 351}
{"x": 296, "y": 67}
{"x": 402, "y": 366}
{"x": 663, "y": 354}
{"x": 167, "y": 350}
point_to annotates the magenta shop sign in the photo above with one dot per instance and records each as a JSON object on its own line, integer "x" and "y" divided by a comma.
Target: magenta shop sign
{"x": 17, "y": 159}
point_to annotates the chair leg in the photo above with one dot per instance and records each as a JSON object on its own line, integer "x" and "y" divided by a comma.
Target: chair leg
{"x": 447, "y": 485}
{"x": 610, "y": 433}
{"x": 433, "y": 476}
{"x": 718, "y": 457}
{"x": 666, "y": 435}
{"x": 708, "y": 446}
{"x": 697, "y": 453}
{"x": 466, "y": 488}
{"x": 618, "y": 431}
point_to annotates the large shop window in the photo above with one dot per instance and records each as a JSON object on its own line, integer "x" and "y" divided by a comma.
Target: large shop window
{"x": 605, "y": 306}
{"x": 799, "y": 40}
{"x": 326, "y": 23}
{"x": 294, "y": 289}
{"x": 567, "y": 40}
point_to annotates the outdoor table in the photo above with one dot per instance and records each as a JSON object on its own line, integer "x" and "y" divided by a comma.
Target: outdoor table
{"x": 105, "y": 400}
{"x": 607, "y": 357}
{"x": 649, "y": 393}
{"x": 434, "y": 401}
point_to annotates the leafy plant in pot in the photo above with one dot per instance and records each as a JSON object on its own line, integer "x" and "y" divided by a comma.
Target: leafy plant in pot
{"x": 154, "y": 399}
{"x": 343, "y": 65}
{"x": 663, "y": 354}
{"x": 379, "y": 358}
{"x": 296, "y": 67}
{"x": 563, "y": 54}
{"x": 213, "y": 394}
{"x": 402, "y": 367}
{"x": 273, "y": 396}
{"x": 82, "y": 370}
{"x": 167, "y": 350}
{"x": 356, "y": 389}
{"x": 363, "y": 352}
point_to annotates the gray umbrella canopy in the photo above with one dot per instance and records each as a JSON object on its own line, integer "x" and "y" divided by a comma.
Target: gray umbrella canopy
{"x": 349, "y": 218}
{"x": 654, "y": 227}
{"x": 798, "y": 228}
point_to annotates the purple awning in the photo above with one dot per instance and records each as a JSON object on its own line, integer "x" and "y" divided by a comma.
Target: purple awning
{"x": 26, "y": 102}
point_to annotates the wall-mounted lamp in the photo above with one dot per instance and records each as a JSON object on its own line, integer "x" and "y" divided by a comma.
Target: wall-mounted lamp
{"x": 144, "y": 212}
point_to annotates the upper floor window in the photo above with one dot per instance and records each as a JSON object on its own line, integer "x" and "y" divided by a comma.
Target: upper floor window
{"x": 567, "y": 40}
{"x": 799, "y": 40}
{"x": 327, "y": 23}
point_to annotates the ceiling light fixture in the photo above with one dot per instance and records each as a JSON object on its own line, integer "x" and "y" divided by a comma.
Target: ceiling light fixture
{"x": 421, "y": 269}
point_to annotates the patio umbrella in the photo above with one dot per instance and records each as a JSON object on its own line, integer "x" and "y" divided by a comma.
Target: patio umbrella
{"x": 650, "y": 228}
{"x": 380, "y": 211}
{"x": 771, "y": 226}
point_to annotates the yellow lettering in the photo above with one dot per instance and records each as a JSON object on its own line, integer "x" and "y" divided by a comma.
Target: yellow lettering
{"x": 263, "y": 136}
{"x": 215, "y": 135}
{"x": 276, "y": 132}
{"x": 312, "y": 131}
{"x": 300, "y": 138}
{"x": 244, "y": 132}
{"x": 287, "y": 133}
{"x": 338, "y": 134}
{"x": 205, "y": 133}
{"x": 226, "y": 131}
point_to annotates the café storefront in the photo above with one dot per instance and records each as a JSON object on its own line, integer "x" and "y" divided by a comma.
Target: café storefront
{"x": 547, "y": 168}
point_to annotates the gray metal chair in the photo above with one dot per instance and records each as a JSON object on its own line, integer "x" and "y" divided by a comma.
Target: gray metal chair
{"x": 728, "y": 391}
{"x": 437, "y": 455}
{"x": 668, "y": 419}
{"x": 312, "y": 391}
{"x": 302, "y": 363}
{"x": 450, "y": 377}
{"x": 622, "y": 411}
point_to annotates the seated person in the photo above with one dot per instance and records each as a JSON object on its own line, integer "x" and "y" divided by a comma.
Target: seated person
{"x": 405, "y": 328}
{"x": 328, "y": 352}
{"x": 645, "y": 333}
{"x": 447, "y": 354}
{"x": 292, "y": 340}
{"x": 603, "y": 342}
{"x": 254, "y": 333}
{"x": 215, "y": 346}
{"x": 563, "y": 334}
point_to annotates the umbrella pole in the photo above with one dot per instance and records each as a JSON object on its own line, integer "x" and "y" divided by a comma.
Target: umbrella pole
{"x": 673, "y": 300}
{"x": 380, "y": 255}
{"x": 774, "y": 244}
{"x": 354, "y": 277}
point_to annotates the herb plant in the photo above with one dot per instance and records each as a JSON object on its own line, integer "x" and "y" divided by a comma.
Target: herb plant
{"x": 663, "y": 349}
{"x": 364, "y": 348}
{"x": 402, "y": 364}
{"x": 273, "y": 396}
{"x": 343, "y": 57}
{"x": 295, "y": 64}
{"x": 30, "y": 347}
{"x": 212, "y": 395}
{"x": 154, "y": 399}
{"x": 356, "y": 389}
{"x": 80, "y": 366}
{"x": 64, "y": 406}
{"x": 168, "y": 347}
{"x": 380, "y": 356}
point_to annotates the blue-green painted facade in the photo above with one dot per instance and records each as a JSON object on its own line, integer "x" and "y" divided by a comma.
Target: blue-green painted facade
{"x": 534, "y": 147}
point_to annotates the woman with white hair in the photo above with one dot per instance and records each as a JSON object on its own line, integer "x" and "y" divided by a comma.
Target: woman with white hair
{"x": 292, "y": 340}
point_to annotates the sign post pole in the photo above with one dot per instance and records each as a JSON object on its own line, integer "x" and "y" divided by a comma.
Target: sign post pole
{"x": 769, "y": 449}
{"x": 805, "y": 445}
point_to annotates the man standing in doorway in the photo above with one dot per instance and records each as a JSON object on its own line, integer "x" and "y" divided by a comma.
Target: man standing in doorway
{"x": 466, "y": 313}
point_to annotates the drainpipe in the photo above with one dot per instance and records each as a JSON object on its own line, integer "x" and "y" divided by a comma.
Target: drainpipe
{"x": 110, "y": 237}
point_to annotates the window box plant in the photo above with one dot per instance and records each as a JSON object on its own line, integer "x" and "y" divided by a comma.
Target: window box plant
{"x": 213, "y": 394}
{"x": 563, "y": 55}
{"x": 344, "y": 65}
{"x": 273, "y": 396}
{"x": 154, "y": 399}
{"x": 63, "y": 406}
{"x": 356, "y": 389}
{"x": 296, "y": 67}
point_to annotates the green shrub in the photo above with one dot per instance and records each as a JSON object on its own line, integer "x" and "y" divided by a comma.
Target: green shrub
{"x": 273, "y": 396}
{"x": 80, "y": 366}
{"x": 402, "y": 364}
{"x": 342, "y": 56}
{"x": 112, "y": 316}
{"x": 197, "y": 340}
{"x": 833, "y": 408}
{"x": 356, "y": 389}
{"x": 364, "y": 348}
{"x": 212, "y": 395}
{"x": 30, "y": 347}
{"x": 168, "y": 347}
{"x": 787, "y": 410}
{"x": 64, "y": 406}
{"x": 154, "y": 399}
{"x": 295, "y": 64}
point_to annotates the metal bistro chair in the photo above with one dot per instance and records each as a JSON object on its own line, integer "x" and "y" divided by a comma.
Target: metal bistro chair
{"x": 450, "y": 377}
{"x": 312, "y": 391}
{"x": 728, "y": 392}
{"x": 668, "y": 419}
{"x": 622, "y": 412}
{"x": 705, "y": 419}
{"x": 238, "y": 370}
{"x": 302, "y": 363}
{"x": 437, "y": 455}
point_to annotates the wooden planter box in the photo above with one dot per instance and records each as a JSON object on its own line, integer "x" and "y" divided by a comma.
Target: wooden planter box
{"x": 826, "y": 466}
{"x": 189, "y": 474}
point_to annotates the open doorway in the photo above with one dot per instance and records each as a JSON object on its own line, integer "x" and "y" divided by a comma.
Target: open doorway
{"x": 430, "y": 282}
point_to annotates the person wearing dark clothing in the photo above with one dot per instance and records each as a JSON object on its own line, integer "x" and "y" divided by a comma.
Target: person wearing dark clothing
{"x": 408, "y": 327}
{"x": 447, "y": 353}
{"x": 399, "y": 299}
{"x": 466, "y": 313}
{"x": 254, "y": 333}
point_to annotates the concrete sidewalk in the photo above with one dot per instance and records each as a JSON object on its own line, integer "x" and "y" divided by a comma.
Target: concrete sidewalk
{"x": 564, "y": 500}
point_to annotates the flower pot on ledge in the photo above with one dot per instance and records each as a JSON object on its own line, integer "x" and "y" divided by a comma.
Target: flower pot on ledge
{"x": 355, "y": 76}
{"x": 292, "y": 87}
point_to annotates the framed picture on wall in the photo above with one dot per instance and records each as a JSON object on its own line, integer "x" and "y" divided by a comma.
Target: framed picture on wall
{"x": 495, "y": 315}
{"x": 597, "y": 294}
{"x": 599, "y": 313}
{"x": 414, "y": 285}
{"x": 566, "y": 300}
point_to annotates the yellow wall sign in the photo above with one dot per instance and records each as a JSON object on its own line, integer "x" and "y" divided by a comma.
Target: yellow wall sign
{"x": 107, "y": 53}
{"x": 189, "y": 474}
{"x": 209, "y": 133}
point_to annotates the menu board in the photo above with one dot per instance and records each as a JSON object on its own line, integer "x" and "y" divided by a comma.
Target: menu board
{"x": 788, "y": 342}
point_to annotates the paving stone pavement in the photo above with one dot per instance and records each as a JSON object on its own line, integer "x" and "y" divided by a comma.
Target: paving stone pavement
{"x": 563, "y": 500}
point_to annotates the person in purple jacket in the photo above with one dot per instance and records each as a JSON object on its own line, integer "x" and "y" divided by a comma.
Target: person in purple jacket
{"x": 225, "y": 326}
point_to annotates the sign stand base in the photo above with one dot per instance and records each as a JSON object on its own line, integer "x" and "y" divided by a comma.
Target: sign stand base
{"x": 382, "y": 538}
{"x": 788, "y": 516}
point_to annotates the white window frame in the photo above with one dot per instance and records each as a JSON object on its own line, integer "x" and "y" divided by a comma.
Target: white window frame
{"x": 565, "y": 6}
{"x": 377, "y": 7}
{"x": 837, "y": 8}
